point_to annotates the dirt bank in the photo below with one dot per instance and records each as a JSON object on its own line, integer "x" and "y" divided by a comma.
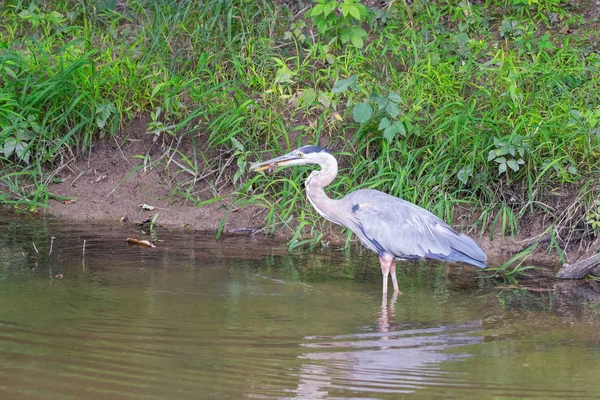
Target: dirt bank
{"x": 111, "y": 183}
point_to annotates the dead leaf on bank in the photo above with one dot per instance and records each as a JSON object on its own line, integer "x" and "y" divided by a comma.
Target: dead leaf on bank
{"x": 124, "y": 219}
{"x": 143, "y": 243}
{"x": 145, "y": 206}
{"x": 70, "y": 201}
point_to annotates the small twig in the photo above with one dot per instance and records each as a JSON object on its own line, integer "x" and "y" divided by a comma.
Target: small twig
{"x": 121, "y": 150}
{"x": 35, "y": 248}
{"x": 79, "y": 176}
{"x": 83, "y": 257}
{"x": 57, "y": 170}
{"x": 51, "y": 243}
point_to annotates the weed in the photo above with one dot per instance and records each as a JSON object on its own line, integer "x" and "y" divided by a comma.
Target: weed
{"x": 340, "y": 20}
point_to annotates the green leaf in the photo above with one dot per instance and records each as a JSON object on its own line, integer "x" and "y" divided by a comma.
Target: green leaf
{"x": 353, "y": 84}
{"x": 237, "y": 144}
{"x": 345, "y": 35}
{"x": 358, "y": 31}
{"x": 464, "y": 174}
{"x": 362, "y": 112}
{"x": 157, "y": 88}
{"x": 10, "y": 72}
{"x": 400, "y": 128}
{"x": 462, "y": 39}
{"x": 21, "y": 149}
{"x": 501, "y": 168}
{"x": 395, "y": 97}
{"x": 513, "y": 165}
{"x": 308, "y": 98}
{"x": 345, "y": 9}
{"x": 353, "y": 10}
{"x": 362, "y": 9}
{"x": 317, "y": 10}
{"x": 392, "y": 109}
{"x": 24, "y": 135}
{"x": 384, "y": 123}
{"x": 381, "y": 101}
{"x": 389, "y": 133}
{"x": 341, "y": 86}
{"x": 491, "y": 155}
{"x": 357, "y": 42}
{"x": 324, "y": 99}
{"x": 9, "y": 146}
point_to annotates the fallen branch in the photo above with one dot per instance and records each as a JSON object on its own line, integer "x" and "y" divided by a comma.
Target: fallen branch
{"x": 579, "y": 269}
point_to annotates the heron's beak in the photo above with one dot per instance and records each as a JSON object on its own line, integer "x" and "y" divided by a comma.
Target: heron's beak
{"x": 274, "y": 162}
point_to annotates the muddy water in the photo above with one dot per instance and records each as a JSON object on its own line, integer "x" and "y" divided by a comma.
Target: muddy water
{"x": 241, "y": 318}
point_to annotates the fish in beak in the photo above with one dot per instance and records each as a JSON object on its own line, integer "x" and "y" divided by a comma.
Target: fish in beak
{"x": 270, "y": 165}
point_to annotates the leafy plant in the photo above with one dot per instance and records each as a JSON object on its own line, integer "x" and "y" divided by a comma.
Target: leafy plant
{"x": 590, "y": 119}
{"x": 37, "y": 18}
{"x": 385, "y": 113}
{"x": 509, "y": 153}
{"x": 17, "y": 136}
{"x": 156, "y": 126}
{"x": 592, "y": 217}
{"x": 240, "y": 155}
{"x": 296, "y": 31}
{"x": 340, "y": 20}
{"x": 103, "y": 113}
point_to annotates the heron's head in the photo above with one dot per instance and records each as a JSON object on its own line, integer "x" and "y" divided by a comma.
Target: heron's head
{"x": 301, "y": 156}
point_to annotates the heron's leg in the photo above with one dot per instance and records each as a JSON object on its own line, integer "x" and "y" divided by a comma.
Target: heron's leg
{"x": 394, "y": 279}
{"x": 386, "y": 262}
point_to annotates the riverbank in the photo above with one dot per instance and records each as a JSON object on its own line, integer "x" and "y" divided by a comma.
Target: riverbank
{"x": 111, "y": 185}
{"x": 485, "y": 113}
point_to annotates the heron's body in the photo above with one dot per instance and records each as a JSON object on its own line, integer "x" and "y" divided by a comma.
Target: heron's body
{"x": 393, "y": 228}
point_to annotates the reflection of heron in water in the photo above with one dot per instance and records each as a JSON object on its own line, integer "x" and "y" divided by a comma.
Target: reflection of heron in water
{"x": 386, "y": 316}
{"x": 390, "y": 359}
{"x": 391, "y": 227}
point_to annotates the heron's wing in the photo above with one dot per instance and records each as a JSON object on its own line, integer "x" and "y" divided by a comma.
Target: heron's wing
{"x": 406, "y": 230}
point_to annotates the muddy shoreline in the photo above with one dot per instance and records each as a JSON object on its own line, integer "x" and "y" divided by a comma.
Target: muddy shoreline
{"x": 110, "y": 184}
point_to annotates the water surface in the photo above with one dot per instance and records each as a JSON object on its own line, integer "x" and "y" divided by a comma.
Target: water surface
{"x": 241, "y": 318}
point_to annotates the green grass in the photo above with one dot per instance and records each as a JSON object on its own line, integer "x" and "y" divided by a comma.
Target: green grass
{"x": 498, "y": 113}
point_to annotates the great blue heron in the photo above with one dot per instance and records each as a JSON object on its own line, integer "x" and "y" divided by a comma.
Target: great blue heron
{"x": 391, "y": 227}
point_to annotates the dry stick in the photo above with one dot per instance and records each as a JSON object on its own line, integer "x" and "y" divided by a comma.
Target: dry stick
{"x": 121, "y": 150}
{"x": 51, "y": 242}
{"x": 35, "y": 248}
{"x": 578, "y": 269}
{"x": 79, "y": 176}
{"x": 83, "y": 257}
{"x": 57, "y": 170}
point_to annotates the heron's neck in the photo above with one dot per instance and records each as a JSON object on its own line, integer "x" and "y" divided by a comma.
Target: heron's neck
{"x": 315, "y": 190}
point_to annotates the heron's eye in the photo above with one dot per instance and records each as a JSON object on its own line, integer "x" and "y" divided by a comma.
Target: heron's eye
{"x": 300, "y": 154}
